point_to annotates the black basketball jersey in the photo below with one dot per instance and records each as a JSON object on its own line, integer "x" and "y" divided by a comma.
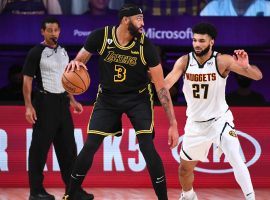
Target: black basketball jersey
{"x": 122, "y": 68}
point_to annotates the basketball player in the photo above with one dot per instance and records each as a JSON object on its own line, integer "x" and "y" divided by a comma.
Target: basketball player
{"x": 49, "y": 113}
{"x": 125, "y": 57}
{"x": 209, "y": 118}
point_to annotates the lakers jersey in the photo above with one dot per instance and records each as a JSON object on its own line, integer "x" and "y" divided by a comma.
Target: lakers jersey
{"x": 121, "y": 68}
{"x": 204, "y": 89}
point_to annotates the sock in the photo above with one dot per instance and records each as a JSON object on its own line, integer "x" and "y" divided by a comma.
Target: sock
{"x": 242, "y": 177}
{"x": 83, "y": 163}
{"x": 188, "y": 194}
{"x": 75, "y": 183}
{"x": 250, "y": 196}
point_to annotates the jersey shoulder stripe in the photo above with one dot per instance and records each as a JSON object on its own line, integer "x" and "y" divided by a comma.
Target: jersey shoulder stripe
{"x": 104, "y": 40}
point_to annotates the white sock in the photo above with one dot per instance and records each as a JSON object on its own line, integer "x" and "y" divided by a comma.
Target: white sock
{"x": 188, "y": 194}
{"x": 242, "y": 177}
{"x": 250, "y": 196}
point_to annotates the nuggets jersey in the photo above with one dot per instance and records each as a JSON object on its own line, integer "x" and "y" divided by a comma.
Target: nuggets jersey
{"x": 204, "y": 89}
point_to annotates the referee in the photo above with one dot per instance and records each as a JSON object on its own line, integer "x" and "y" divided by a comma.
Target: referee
{"x": 49, "y": 112}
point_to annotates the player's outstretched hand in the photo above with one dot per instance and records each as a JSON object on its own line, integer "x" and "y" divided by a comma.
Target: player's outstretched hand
{"x": 241, "y": 57}
{"x": 74, "y": 64}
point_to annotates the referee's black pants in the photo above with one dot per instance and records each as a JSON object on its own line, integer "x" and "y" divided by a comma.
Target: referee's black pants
{"x": 54, "y": 125}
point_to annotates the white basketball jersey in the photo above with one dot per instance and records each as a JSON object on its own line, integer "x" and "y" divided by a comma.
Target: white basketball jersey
{"x": 204, "y": 89}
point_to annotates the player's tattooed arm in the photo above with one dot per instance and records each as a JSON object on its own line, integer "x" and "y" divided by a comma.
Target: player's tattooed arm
{"x": 80, "y": 61}
{"x": 162, "y": 92}
{"x": 83, "y": 56}
{"x": 165, "y": 100}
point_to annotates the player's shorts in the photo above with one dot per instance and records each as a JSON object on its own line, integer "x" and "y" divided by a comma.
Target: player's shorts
{"x": 106, "y": 117}
{"x": 199, "y": 136}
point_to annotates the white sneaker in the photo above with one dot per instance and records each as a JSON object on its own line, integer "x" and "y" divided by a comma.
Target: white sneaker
{"x": 193, "y": 197}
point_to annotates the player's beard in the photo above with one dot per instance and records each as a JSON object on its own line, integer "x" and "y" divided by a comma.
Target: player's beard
{"x": 133, "y": 30}
{"x": 203, "y": 52}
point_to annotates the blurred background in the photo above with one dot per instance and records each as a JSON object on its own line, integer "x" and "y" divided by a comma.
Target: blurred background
{"x": 240, "y": 24}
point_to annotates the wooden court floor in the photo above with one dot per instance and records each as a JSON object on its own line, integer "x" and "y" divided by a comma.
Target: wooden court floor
{"x": 138, "y": 194}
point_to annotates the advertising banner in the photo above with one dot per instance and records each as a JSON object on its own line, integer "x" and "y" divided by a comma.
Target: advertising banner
{"x": 119, "y": 163}
{"x": 172, "y": 30}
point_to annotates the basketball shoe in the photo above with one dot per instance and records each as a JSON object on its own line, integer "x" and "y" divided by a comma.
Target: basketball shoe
{"x": 79, "y": 195}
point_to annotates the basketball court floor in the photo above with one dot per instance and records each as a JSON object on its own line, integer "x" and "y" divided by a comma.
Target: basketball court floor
{"x": 138, "y": 193}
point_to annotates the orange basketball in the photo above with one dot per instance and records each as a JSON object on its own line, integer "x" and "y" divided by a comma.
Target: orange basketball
{"x": 76, "y": 82}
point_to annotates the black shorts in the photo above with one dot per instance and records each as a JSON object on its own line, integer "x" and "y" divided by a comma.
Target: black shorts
{"x": 109, "y": 107}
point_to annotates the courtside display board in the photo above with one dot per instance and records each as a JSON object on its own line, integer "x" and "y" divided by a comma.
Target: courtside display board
{"x": 118, "y": 163}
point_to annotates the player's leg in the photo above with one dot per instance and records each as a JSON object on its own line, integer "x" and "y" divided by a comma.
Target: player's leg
{"x": 195, "y": 147}
{"x": 103, "y": 121}
{"x": 186, "y": 178}
{"x": 230, "y": 146}
{"x": 141, "y": 114}
{"x": 83, "y": 163}
{"x": 154, "y": 165}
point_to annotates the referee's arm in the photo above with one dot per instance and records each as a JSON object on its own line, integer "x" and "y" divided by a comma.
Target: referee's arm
{"x": 30, "y": 113}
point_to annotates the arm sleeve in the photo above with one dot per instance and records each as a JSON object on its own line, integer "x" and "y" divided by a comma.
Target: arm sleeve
{"x": 150, "y": 53}
{"x": 94, "y": 41}
{"x": 32, "y": 61}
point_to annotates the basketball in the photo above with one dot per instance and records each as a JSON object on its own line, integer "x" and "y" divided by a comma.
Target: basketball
{"x": 76, "y": 82}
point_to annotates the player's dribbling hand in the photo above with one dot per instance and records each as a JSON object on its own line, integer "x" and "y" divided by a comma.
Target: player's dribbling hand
{"x": 74, "y": 64}
{"x": 173, "y": 136}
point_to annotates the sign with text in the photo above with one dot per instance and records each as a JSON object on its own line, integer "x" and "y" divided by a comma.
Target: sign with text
{"x": 118, "y": 161}
{"x": 165, "y": 30}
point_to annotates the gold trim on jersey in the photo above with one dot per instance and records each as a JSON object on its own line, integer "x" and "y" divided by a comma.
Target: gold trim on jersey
{"x": 96, "y": 131}
{"x": 103, "y": 133}
{"x": 116, "y": 42}
{"x": 141, "y": 50}
{"x": 142, "y": 38}
{"x": 99, "y": 91}
{"x": 141, "y": 55}
{"x": 152, "y": 110}
{"x": 104, "y": 40}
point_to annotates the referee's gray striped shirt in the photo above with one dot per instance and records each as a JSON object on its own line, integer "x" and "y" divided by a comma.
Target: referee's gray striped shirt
{"x": 47, "y": 65}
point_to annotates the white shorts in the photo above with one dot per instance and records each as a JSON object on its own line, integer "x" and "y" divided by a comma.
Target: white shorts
{"x": 199, "y": 137}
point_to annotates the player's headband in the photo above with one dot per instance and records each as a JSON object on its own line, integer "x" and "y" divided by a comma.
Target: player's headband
{"x": 129, "y": 11}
